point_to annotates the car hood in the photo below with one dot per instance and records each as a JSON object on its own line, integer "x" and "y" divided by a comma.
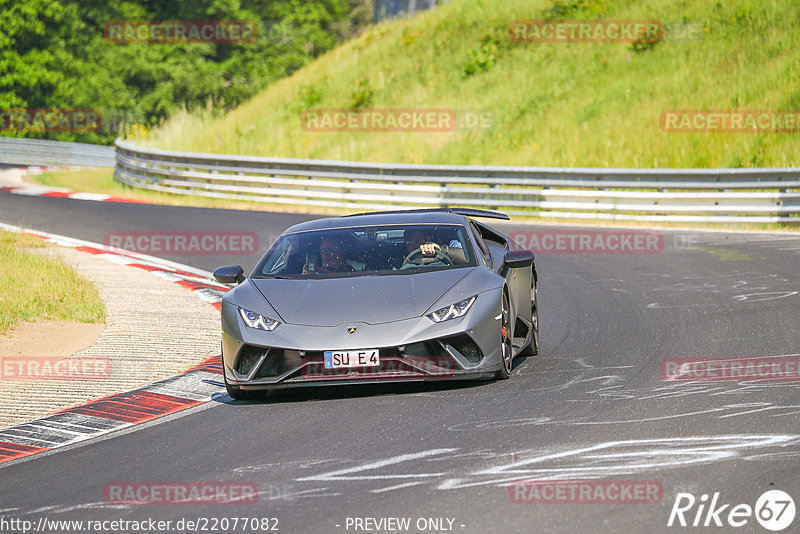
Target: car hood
{"x": 365, "y": 299}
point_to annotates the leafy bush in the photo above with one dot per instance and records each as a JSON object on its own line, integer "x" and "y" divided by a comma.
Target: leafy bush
{"x": 484, "y": 55}
{"x": 309, "y": 96}
{"x": 362, "y": 96}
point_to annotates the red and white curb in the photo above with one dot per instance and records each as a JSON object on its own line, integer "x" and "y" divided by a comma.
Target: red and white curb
{"x": 34, "y": 191}
{"x": 39, "y": 169}
{"x": 190, "y": 388}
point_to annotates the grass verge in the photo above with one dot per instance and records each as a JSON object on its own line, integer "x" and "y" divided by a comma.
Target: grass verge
{"x": 33, "y": 286}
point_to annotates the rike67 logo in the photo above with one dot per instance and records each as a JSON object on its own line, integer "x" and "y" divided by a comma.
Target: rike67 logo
{"x": 774, "y": 510}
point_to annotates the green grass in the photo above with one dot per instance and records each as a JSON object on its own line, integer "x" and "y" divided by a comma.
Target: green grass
{"x": 576, "y": 104}
{"x": 34, "y": 287}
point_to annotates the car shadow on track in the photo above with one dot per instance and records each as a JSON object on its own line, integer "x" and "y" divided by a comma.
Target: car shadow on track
{"x": 334, "y": 392}
{"x": 354, "y": 391}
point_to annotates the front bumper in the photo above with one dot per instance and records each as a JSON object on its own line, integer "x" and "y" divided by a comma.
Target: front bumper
{"x": 414, "y": 349}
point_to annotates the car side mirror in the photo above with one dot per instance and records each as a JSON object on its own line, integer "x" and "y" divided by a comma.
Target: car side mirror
{"x": 229, "y": 274}
{"x": 515, "y": 259}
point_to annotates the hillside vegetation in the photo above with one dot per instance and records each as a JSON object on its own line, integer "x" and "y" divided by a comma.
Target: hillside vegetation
{"x": 554, "y": 104}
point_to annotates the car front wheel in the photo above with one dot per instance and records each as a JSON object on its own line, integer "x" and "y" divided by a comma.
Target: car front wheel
{"x": 235, "y": 392}
{"x": 506, "y": 334}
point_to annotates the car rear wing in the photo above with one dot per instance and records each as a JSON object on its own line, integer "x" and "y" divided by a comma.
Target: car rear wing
{"x": 468, "y": 212}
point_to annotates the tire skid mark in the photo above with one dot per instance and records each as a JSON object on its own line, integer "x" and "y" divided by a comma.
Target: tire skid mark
{"x": 443, "y": 469}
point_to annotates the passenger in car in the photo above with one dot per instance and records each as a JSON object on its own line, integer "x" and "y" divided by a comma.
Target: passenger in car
{"x": 333, "y": 256}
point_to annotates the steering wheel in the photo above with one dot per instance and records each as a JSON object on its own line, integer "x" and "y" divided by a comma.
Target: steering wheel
{"x": 438, "y": 255}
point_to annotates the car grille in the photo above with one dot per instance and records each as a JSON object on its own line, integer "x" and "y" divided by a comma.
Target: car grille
{"x": 248, "y": 358}
{"x": 416, "y": 360}
{"x": 466, "y": 347}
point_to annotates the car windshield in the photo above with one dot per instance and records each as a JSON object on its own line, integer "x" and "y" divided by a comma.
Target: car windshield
{"x": 367, "y": 250}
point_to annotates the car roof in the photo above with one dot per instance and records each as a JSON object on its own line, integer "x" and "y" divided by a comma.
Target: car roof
{"x": 370, "y": 219}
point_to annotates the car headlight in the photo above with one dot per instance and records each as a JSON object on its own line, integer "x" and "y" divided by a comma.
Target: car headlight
{"x": 258, "y": 321}
{"x": 453, "y": 311}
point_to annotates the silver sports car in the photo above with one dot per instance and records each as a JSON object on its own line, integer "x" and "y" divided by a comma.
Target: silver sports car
{"x": 391, "y": 296}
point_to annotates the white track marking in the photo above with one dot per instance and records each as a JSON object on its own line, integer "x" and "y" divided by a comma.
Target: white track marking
{"x": 398, "y": 486}
{"x": 340, "y": 474}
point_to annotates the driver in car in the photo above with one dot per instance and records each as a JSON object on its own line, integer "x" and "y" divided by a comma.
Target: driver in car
{"x": 423, "y": 240}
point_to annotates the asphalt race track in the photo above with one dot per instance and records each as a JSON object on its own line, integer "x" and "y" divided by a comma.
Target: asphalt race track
{"x": 591, "y": 405}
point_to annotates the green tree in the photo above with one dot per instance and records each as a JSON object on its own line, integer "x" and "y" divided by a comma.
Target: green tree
{"x": 53, "y": 55}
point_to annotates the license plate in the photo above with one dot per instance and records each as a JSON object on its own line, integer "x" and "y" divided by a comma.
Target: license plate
{"x": 342, "y": 359}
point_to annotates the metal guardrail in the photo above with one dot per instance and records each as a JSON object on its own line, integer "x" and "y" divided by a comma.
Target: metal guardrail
{"x": 693, "y": 195}
{"x": 20, "y": 151}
